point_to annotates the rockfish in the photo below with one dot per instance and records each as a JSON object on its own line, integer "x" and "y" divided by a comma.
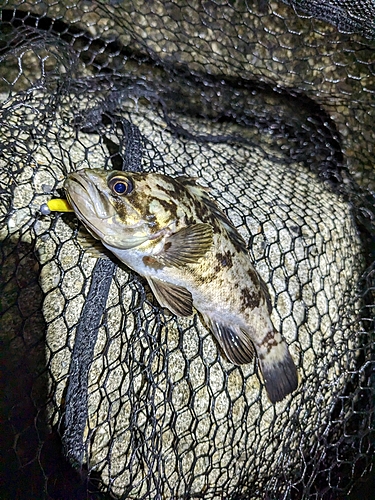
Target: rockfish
{"x": 170, "y": 231}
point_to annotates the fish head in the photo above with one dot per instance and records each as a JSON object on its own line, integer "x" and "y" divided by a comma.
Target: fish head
{"x": 121, "y": 209}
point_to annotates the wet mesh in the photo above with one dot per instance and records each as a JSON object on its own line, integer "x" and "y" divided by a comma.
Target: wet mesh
{"x": 104, "y": 393}
{"x": 348, "y": 15}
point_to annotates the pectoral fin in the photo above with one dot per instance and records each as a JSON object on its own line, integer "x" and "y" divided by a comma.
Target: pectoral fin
{"x": 235, "y": 343}
{"x": 175, "y": 298}
{"x": 187, "y": 245}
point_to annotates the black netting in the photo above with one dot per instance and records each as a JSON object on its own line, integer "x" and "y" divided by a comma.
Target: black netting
{"x": 351, "y": 16}
{"x": 105, "y": 394}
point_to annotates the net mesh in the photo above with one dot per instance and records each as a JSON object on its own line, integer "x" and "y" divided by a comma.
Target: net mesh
{"x": 105, "y": 394}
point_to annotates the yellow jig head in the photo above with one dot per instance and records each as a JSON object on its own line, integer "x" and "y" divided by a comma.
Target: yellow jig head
{"x": 55, "y": 205}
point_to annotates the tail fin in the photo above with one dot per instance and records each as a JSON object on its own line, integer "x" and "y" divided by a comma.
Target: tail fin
{"x": 277, "y": 366}
{"x": 278, "y": 369}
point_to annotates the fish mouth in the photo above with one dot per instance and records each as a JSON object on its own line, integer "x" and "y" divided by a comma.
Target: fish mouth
{"x": 86, "y": 198}
{"x": 90, "y": 204}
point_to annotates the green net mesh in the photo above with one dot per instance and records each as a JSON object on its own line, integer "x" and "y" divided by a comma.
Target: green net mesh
{"x": 106, "y": 395}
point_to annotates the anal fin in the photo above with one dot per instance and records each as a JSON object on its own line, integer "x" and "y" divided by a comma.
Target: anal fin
{"x": 235, "y": 342}
{"x": 175, "y": 298}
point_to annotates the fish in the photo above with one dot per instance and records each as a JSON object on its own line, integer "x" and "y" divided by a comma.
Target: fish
{"x": 173, "y": 233}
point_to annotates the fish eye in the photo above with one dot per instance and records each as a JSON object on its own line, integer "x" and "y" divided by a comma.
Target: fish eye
{"x": 120, "y": 186}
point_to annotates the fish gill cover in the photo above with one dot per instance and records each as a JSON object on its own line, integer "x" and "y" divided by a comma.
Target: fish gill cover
{"x": 104, "y": 393}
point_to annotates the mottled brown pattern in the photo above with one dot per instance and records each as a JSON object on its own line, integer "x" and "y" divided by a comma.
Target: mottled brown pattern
{"x": 142, "y": 208}
{"x": 253, "y": 275}
{"x": 152, "y": 263}
{"x": 169, "y": 207}
{"x": 167, "y": 188}
{"x": 190, "y": 219}
{"x": 249, "y": 299}
{"x": 202, "y": 212}
{"x": 221, "y": 220}
{"x": 181, "y": 192}
{"x": 266, "y": 295}
{"x": 120, "y": 207}
{"x": 223, "y": 260}
{"x": 268, "y": 342}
